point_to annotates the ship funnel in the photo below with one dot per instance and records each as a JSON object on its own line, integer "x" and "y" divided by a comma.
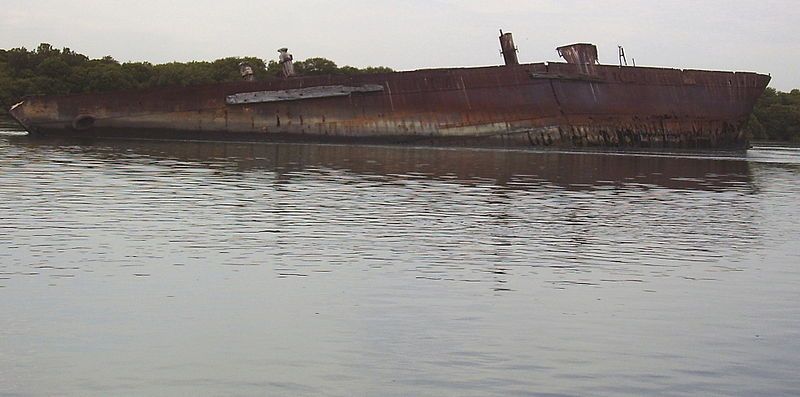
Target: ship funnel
{"x": 508, "y": 49}
{"x": 581, "y": 53}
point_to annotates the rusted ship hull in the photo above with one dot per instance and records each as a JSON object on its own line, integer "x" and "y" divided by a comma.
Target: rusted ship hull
{"x": 542, "y": 104}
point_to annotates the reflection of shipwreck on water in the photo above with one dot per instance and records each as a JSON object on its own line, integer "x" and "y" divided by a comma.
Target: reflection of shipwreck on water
{"x": 578, "y": 103}
{"x": 506, "y": 169}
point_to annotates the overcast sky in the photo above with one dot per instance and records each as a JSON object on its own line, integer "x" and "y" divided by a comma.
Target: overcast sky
{"x": 762, "y": 36}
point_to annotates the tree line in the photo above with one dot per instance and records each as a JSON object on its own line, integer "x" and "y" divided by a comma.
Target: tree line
{"x": 776, "y": 116}
{"x": 48, "y": 70}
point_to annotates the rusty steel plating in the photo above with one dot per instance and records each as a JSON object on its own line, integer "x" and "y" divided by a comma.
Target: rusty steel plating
{"x": 579, "y": 103}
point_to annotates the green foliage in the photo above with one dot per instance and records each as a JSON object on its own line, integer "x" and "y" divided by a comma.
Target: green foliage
{"x": 313, "y": 66}
{"x": 140, "y": 72}
{"x": 776, "y": 116}
{"x": 48, "y": 70}
{"x": 274, "y": 69}
{"x": 176, "y": 73}
{"x": 375, "y": 69}
{"x": 53, "y": 67}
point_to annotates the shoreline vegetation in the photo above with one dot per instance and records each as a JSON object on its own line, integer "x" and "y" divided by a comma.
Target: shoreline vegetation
{"x": 50, "y": 71}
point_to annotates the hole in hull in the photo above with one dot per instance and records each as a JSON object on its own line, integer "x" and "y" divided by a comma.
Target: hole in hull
{"x": 83, "y": 122}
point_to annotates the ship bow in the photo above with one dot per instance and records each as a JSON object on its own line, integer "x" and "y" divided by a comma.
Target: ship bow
{"x": 17, "y": 112}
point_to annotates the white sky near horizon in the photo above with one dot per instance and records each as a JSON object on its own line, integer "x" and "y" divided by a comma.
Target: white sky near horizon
{"x": 761, "y": 36}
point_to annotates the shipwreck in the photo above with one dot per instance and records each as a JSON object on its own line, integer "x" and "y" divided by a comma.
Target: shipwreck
{"x": 577, "y": 103}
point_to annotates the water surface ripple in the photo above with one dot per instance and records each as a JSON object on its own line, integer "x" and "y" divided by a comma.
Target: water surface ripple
{"x": 155, "y": 268}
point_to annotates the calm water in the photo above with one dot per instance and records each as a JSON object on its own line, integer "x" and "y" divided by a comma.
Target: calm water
{"x": 130, "y": 268}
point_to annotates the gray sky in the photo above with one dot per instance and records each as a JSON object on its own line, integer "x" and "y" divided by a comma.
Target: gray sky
{"x": 762, "y": 36}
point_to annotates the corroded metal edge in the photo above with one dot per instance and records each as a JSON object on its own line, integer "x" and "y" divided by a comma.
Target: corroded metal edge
{"x": 17, "y": 114}
{"x": 298, "y": 94}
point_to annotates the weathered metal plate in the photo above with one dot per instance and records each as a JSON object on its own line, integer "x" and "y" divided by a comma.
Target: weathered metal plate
{"x": 299, "y": 94}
